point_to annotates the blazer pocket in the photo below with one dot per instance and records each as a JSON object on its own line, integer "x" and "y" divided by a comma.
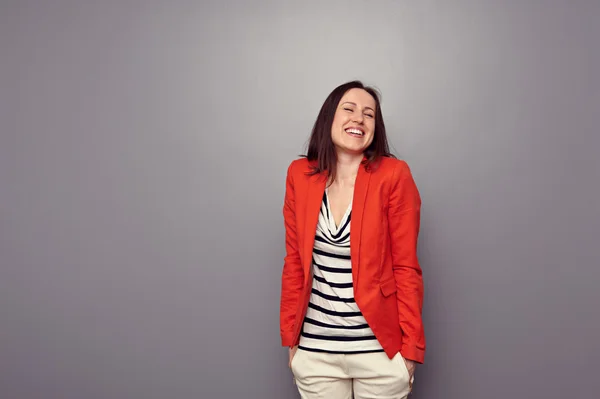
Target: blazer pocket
{"x": 388, "y": 287}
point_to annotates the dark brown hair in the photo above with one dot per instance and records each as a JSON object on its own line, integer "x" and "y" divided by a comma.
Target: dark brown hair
{"x": 321, "y": 150}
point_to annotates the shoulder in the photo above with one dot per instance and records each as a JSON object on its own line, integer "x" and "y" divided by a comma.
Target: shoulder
{"x": 298, "y": 167}
{"x": 392, "y": 168}
{"x": 396, "y": 175}
{"x": 298, "y": 163}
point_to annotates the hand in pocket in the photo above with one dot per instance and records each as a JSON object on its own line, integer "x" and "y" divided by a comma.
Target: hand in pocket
{"x": 410, "y": 365}
{"x": 292, "y": 352}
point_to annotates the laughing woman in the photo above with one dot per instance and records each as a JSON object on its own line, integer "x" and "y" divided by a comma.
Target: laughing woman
{"x": 352, "y": 287}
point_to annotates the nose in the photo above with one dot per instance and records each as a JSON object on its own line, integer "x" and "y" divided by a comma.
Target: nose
{"x": 358, "y": 117}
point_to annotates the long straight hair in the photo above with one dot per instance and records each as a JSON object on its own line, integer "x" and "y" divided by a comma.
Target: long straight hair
{"x": 321, "y": 150}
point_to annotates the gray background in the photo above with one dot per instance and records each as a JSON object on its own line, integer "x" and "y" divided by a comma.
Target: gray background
{"x": 143, "y": 152}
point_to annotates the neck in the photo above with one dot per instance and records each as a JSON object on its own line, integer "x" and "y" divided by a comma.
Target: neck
{"x": 347, "y": 168}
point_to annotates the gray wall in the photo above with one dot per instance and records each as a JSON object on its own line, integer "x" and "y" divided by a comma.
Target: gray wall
{"x": 143, "y": 151}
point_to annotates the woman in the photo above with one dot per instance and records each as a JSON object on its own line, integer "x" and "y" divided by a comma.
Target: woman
{"x": 352, "y": 288}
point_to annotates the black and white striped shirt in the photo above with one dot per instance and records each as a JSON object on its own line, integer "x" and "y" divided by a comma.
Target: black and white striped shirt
{"x": 333, "y": 321}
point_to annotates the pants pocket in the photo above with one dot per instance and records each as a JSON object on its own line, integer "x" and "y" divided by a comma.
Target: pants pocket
{"x": 400, "y": 359}
{"x": 294, "y": 361}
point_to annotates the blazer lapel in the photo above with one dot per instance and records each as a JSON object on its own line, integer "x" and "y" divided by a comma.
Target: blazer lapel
{"x": 316, "y": 188}
{"x": 361, "y": 186}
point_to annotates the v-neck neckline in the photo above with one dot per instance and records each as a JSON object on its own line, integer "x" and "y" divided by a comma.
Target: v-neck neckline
{"x": 331, "y": 220}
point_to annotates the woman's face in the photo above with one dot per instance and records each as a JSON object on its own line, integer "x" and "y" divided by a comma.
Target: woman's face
{"x": 353, "y": 125}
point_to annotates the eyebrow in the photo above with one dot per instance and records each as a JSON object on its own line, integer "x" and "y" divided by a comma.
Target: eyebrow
{"x": 350, "y": 102}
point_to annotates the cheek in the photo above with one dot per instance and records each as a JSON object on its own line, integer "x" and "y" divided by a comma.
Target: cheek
{"x": 372, "y": 129}
{"x": 336, "y": 128}
{"x": 337, "y": 125}
{"x": 371, "y": 137}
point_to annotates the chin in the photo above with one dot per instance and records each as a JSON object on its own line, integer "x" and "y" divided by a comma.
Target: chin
{"x": 353, "y": 151}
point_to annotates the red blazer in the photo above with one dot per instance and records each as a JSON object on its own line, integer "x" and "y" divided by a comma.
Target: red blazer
{"x": 387, "y": 277}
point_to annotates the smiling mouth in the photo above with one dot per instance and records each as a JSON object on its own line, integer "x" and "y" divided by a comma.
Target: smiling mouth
{"x": 355, "y": 132}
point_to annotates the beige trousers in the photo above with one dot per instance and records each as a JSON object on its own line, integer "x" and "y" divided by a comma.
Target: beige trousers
{"x": 366, "y": 376}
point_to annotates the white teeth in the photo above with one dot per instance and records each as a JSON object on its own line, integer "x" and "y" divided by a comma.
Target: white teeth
{"x": 354, "y": 131}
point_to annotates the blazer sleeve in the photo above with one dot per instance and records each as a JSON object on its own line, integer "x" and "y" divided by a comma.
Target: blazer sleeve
{"x": 404, "y": 221}
{"x": 292, "y": 276}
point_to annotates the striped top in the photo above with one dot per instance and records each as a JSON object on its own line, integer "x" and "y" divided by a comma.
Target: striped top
{"x": 333, "y": 321}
